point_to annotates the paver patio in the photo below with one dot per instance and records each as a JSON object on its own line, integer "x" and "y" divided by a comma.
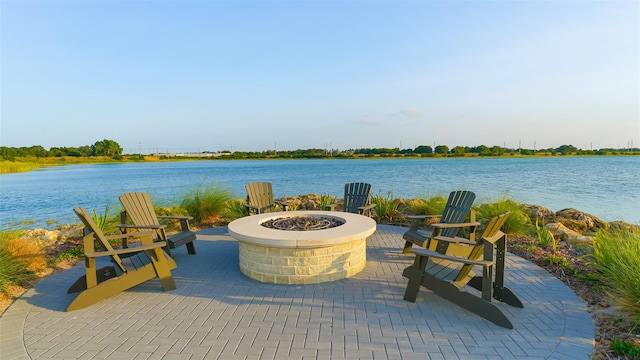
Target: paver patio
{"x": 218, "y": 313}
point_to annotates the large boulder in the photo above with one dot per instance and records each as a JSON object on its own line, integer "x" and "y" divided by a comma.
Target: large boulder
{"x": 580, "y": 221}
{"x": 539, "y": 211}
{"x": 44, "y": 237}
{"x": 566, "y": 234}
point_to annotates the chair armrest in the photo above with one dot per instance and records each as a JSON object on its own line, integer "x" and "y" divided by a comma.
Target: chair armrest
{"x": 125, "y": 250}
{"x": 456, "y": 240}
{"x": 437, "y": 255}
{"x": 184, "y": 221}
{"x": 125, "y": 226}
{"x": 455, "y": 225}
{"x": 333, "y": 206}
{"x": 284, "y": 204}
{"x": 366, "y": 207}
{"x": 422, "y": 217}
{"x": 176, "y": 217}
{"x": 130, "y": 235}
{"x": 259, "y": 210}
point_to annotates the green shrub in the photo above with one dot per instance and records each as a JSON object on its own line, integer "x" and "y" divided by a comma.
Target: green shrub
{"x": 206, "y": 202}
{"x": 386, "y": 208}
{"x": 234, "y": 209}
{"x": 325, "y": 201}
{"x": 73, "y": 253}
{"x": 622, "y": 347}
{"x": 106, "y": 222}
{"x": 546, "y": 237}
{"x": 617, "y": 258}
{"x": 518, "y": 221}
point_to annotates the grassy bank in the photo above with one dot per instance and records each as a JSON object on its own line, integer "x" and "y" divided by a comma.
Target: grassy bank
{"x": 25, "y": 164}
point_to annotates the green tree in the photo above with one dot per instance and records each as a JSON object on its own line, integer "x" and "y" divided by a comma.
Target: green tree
{"x": 38, "y": 151}
{"x": 567, "y": 149}
{"x": 497, "y": 151}
{"x": 458, "y": 150}
{"x": 442, "y": 149}
{"x": 423, "y": 149}
{"x": 479, "y": 149}
{"x": 106, "y": 148}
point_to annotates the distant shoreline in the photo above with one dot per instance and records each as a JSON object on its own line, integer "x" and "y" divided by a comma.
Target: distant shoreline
{"x": 26, "y": 164}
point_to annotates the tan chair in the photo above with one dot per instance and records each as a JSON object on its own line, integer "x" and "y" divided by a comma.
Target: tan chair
{"x": 260, "y": 198}
{"x": 98, "y": 284}
{"x": 446, "y": 275}
{"x": 448, "y": 224}
{"x": 139, "y": 208}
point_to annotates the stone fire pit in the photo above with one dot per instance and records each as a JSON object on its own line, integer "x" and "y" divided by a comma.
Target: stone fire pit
{"x": 302, "y": 257}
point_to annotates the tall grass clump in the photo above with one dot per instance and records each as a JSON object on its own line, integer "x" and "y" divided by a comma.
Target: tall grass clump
{"x": 106, "y": 222}
{"x": 432, "y": 206}
{"x": 206, "y": 202}
{"x": 518, "y": 221}
{"x": 234, "y": 209}
{"x": 617, "y": 258}
{"x": 386, "y": 208}
{"x": 325, "y": 200}
{"x": 545, "y": 236}
{"x": 20, "y": 261}
{"x": 10, "y": 167}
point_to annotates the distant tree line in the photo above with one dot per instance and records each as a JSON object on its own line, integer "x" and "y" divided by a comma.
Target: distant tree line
{"x": 111, "y": 148}
{"x": 105, "y": 147}
{"x": 420, "y": 151}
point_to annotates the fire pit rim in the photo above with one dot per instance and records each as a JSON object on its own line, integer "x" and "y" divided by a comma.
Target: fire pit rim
{"x": 249, "y": 229}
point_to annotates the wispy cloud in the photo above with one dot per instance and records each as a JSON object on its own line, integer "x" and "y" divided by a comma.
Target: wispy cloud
{"x": 391, "y": 118}
{"x": 368, "y": 120}
{"x": 414, "y": 113}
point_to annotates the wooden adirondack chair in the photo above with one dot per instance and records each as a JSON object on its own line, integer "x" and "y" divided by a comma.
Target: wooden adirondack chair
{"x": 98, "y": 284}
{"x": 260, "y": 198}
{"x": 356, "y": 199}
{"x": 446, "y": 275}
{"x": 138, "y": 207}
{"x": 450, "y": 222}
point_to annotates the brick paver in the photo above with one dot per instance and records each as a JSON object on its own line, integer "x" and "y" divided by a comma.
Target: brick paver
{"x": 218, "y": 313}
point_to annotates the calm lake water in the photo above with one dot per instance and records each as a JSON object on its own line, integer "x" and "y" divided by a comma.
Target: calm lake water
{"x": 608, "y": 187}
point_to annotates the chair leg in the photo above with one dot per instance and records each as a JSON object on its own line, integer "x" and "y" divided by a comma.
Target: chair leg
{"x": 415, "y": 274}
{"x": 162, "y": 269}
{"x": 191, "y": 249}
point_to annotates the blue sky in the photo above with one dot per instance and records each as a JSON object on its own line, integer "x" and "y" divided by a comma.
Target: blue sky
{"x": 178, "y": 76}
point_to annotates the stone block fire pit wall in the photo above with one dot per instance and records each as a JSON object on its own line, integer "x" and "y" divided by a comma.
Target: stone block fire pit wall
{"x": 302, "y": 257}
